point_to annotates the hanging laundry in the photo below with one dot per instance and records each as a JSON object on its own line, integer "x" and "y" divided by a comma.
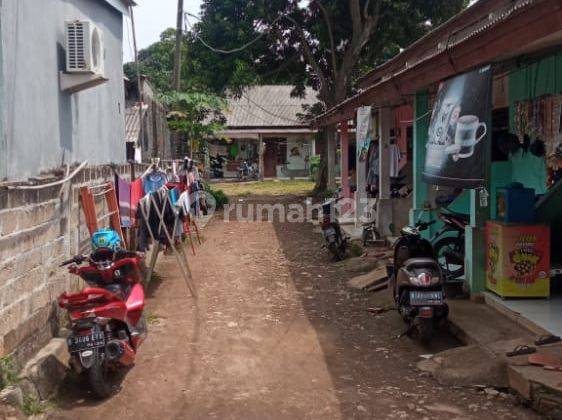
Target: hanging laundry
{"x": 373, "y": 162}
{"x": 137, "y": 193}
{"x": 395, "y": 156}
{"x": 154, "y": 180}
{"x": 124, "y": 198}
{"x": 158, "y": 218}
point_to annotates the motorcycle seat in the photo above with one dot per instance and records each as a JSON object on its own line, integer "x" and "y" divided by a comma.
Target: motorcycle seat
{"x": 461, "y": 217}
{"x": 421, "y": 263}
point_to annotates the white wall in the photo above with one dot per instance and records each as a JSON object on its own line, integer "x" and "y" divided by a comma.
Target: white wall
{"x": 43, "y": 127}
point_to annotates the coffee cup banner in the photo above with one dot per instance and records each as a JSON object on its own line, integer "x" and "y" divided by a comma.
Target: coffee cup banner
{"x": 459, "y": 131}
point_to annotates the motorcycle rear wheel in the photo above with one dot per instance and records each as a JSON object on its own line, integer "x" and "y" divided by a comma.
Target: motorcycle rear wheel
{"x": 337, "y": 251}
{"x": 102, "y": 381}
{"x": 425, "y": 330}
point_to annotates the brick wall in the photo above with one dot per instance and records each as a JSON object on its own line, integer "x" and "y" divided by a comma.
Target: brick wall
{"x": 38, "y": 230}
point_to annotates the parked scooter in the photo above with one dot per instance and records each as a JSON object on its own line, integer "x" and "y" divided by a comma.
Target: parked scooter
{"x": 370, "y": 233}
{"x": 107, "y": 317}
{"x": 417, "y": 283}
{"x": 217, "y": 162}
{"x": 336, "y": 239}
{"x": 247, "y": 171}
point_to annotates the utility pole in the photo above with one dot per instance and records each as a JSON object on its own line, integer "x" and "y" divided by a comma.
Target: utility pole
{"x": 177, "y": 56}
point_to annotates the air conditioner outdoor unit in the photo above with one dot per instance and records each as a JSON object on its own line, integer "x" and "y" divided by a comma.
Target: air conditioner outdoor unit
{"x": 84, "y": 48}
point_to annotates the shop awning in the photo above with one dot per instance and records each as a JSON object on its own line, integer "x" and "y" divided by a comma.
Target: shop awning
{"x": 490, "y": 31}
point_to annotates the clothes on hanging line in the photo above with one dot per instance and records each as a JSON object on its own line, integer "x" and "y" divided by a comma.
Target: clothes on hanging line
{"x": 137, "y": 192}
{"x": 395, "y": 156}
{"x": 161, "y": 216}
{"x": 123, "y": 190}
{"x": 128, "y": 195}
{"x": 154, "y": 180}
{"x": 373, "y": 164}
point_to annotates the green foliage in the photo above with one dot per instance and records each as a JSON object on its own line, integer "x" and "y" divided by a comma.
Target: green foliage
{"x": 195, "y": 115}
{"x": 220, "y": 198}
{"x": 314, "y": 167}
{"x": 219, "y": 195}
{"x": 8, "y": 372}
{"x": 272, "y": 31}
{"x": 33, "y": 406}
{"x": 355, "y": 249}
{"x": 156, "y": 62}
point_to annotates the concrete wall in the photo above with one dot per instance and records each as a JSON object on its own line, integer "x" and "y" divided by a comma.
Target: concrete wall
{"x": 3, "y": 151}
{"x": 38, "y": 230}
{"x": 43, "y": 127}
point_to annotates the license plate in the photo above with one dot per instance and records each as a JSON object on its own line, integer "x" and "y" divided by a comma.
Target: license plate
{"x": 77, "y": 343}
{"x": 426, "y": 298}
{"x": 329, "y": 232}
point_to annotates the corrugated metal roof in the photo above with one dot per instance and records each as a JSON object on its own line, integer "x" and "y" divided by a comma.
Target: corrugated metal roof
{"x": 121, "y": 5}
{"x": 450, "y": 40}
{"x": 132, "y": 126}
{"x": 268, "y": 106}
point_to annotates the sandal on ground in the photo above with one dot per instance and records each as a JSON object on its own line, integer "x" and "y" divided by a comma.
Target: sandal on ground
{"x": 521, "y": 350}
{"x": 547, "y": 339}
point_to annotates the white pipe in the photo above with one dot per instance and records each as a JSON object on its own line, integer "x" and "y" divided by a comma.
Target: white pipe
{"x": 51, "y": 184}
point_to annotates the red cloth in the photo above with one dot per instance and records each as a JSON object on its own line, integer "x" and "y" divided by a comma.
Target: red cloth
{"x": 179, "y": 185}
{"x": 137, "y": 193}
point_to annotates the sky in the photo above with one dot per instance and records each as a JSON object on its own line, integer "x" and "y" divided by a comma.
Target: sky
{"x": 152, "y": 17}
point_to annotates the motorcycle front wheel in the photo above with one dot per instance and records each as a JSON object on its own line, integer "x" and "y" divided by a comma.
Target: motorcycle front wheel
{"x": 102, "y": 380}
{"x": 453, "y": 244}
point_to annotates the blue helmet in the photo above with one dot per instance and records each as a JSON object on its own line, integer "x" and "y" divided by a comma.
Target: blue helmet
{"x": 106, "y": 238}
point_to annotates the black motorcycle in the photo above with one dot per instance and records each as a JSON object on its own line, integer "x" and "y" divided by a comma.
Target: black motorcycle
{"x": 417, "y": 283}
{"x": 217, "y": 163}
{"x": 336, "y": 240}
{"x": 449, "y": 244}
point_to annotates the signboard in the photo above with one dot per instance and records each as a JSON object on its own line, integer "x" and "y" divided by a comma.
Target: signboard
{"x": 459, "y": 131}
{"x": 363, "y": 141}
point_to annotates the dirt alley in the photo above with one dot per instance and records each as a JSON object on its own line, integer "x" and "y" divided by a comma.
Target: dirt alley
{"x": 275, "y": 334}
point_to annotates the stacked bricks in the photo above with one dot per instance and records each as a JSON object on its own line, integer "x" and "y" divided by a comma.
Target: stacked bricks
{"x": 38, "y": 230}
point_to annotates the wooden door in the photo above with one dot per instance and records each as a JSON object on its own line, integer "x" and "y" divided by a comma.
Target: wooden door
{"x": 270, "y": 159}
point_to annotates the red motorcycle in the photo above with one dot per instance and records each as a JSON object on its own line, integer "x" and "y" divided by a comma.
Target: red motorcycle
{"x": 107, "y": 318}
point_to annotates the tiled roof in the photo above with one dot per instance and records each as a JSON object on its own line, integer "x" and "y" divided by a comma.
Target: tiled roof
{"x": 268, "y": 106}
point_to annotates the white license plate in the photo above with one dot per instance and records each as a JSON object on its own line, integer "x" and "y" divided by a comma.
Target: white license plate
{"x": 418, "y": 298}
{"x": 78, "y": 343}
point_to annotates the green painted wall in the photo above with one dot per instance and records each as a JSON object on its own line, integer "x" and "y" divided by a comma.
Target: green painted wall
{"x": 543, "y": 77}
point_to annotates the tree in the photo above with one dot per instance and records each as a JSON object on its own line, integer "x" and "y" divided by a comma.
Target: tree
{"x": 341, "y": 40}
{"x": 194, "y": 116}
{"x": 328, "y": 44}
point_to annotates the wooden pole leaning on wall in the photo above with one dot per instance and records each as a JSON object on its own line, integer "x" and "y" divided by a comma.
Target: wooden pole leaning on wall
{"x": 113, "y": 207}
{"x": 89, "y": 209}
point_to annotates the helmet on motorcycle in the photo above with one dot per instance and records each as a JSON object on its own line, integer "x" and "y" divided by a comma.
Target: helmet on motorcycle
{"x": 106, "y": 238}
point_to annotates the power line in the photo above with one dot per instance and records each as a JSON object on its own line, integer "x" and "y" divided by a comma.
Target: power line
{"x": 269, "y": 112}
{"x": 219, "y": 50}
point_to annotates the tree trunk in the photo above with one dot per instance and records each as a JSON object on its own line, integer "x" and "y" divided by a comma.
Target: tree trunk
{"x": 326, "y": 179}
{"x": 331, "y": 156}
